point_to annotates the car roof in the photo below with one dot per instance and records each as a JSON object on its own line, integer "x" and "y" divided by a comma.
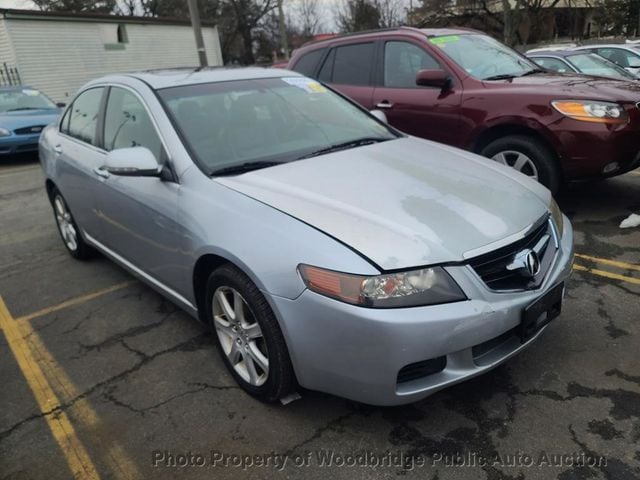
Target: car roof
{"x": 559, "y": 53}
{"x": 609, "y": 45}
{"x": 174, "y": 77}
{"x": 428, "y": 32}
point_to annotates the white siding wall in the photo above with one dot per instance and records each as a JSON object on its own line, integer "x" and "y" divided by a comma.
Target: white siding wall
{"x": 58, "y": 57}
{"x": 6, "y": 50}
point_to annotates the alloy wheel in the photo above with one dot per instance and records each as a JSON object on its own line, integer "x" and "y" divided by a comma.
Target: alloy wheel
{"x": 65, "y": 223}
{"x": 519, "y": 161}
{"x": 240, "y": 336}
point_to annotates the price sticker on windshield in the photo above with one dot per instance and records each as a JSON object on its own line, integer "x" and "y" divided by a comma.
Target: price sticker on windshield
{"x": 31, "y": 93}
{"x": 442, "y": 41}
{"x": 306, "y": 84}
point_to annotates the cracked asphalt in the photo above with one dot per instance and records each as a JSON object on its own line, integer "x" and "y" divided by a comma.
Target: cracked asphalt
{"x": 148, "y": 396}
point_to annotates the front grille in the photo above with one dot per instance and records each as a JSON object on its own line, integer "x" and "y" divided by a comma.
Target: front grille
{"x": 422, "y": 369}
{"x": 29, "y": 130}
{"x": 492, "y": 266}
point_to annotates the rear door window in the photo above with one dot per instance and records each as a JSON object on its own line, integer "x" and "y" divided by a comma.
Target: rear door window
{"x": 83, "y": 119}
{"x": 353, "y": 64}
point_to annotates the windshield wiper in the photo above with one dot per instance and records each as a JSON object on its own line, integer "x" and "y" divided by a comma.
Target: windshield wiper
{"x": 502, "y": 76}
{"x": 22, "y": 108}
{"x": 344, "y": 146}
{"x": 244, "y": 167}
{"x": 532, "y": 71}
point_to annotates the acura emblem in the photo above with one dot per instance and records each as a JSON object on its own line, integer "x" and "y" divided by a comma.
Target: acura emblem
{"x": 526, "y": 263}
{"x": 532, "y": 263}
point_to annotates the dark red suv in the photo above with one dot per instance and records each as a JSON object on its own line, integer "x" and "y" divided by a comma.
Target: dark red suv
{"x": 463, "y": 88}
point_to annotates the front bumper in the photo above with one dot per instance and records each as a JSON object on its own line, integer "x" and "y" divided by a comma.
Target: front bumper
{"x": 593, "y": 150}
{"x": 19, "y": 143}
{"x": 357, "y": 352}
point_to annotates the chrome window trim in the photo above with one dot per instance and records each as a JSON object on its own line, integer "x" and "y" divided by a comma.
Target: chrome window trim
{"x": 114, "y": 85}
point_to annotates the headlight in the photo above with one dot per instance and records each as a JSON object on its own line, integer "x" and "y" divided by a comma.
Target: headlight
{"x": 592, "y": 111}
{"x": 426, "y": 286}
{"x": 4, "y": 132}
{"x": 557, "y": 216}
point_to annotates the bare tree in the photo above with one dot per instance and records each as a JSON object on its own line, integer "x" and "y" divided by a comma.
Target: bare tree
{"x": 391, "y": 12}
{"x": 102, "y": 6}
{"x": 308, "y": 17}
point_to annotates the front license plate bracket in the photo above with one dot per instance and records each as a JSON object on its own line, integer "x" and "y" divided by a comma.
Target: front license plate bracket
{"x": 541, "y": 312}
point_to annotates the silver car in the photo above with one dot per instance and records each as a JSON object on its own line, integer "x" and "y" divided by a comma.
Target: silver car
{"x": 324, "y": 248}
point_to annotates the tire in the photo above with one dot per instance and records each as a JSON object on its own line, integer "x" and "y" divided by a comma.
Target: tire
{"x": 510, "y": 150}
{"x": 68, "y": 228}
{"x": 242, "y": 348}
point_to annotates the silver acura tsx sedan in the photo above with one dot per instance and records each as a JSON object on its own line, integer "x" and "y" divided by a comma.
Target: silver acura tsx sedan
{"x": 324, "y": 248}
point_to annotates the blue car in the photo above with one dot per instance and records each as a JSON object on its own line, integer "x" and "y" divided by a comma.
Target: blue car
{"x": 24, "y": 112}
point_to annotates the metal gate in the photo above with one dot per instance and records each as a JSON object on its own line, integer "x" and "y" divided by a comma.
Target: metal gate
{"x": 9, "y": 75}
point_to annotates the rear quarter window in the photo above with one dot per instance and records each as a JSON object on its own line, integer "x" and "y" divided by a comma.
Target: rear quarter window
{"x": 308, "y": 63}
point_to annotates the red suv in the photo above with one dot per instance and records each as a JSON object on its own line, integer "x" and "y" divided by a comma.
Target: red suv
{"x": 464, "y": 88}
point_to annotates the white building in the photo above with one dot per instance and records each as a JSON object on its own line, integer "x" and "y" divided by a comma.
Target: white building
{"x": 58, "y": 52}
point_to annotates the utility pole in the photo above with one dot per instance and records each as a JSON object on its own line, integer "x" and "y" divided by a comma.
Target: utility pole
{"x": 197, "y": 31}
{"x": 283, "y": 31}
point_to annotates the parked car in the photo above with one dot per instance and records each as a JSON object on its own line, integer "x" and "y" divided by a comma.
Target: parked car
{"x": 570, "y": 61}
{"x": 465, "y": 89}
{"x": 322, "y": 246}
{"x": 626, "y": 56}
{"x": 24, "y": 112}
{"x": 553, "y": 47}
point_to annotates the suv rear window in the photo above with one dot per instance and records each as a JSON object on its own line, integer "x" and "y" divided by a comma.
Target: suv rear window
{"x": 350, "y": 64}
{"x": 309, "y": 62}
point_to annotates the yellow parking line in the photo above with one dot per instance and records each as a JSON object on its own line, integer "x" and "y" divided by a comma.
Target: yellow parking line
{"x": 74, "y": 301}
{"x": 74, "y": 452}
{"x": 613, "y": 263}
{"x": 604, "y": 273}
{"x": 40, "y": 357}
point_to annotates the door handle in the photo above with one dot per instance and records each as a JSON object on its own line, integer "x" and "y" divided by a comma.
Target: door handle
{"x": 384, "y": 104}
{"x": 58, "y": 149}
{"x": 101, "y": 172}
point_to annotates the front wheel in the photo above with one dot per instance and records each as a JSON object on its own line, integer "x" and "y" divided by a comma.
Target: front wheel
{"x": 248, "y": 335}
{"x": 528, "y": 156}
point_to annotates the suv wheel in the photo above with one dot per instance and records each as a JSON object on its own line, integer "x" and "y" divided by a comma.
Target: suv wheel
{"x": 526, "y": 155}
{"x": 69, "y": 231}
{"x": 248, "y": 335}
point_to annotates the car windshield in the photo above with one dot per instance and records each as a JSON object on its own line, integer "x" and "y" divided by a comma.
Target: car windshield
{"x": 483, "y": 57}
{"x": 592, "y": 64}
{"x": 24, "y": 99}
{"x": 262, "y": 121}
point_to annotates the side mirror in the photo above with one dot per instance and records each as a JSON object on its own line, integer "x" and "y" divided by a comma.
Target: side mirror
{"x": 61, "y": 104}
{"x": 380, "y": 115}
{"x": 132, "y": 162}
{"x": 433, "y": 78}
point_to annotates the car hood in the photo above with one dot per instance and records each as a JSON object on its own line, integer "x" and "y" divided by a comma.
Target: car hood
{"x": 27, "y": 118}
{"x": 573, "y": 86}
{"x": 402, "y": 203}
